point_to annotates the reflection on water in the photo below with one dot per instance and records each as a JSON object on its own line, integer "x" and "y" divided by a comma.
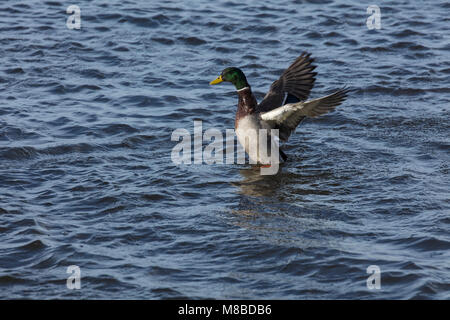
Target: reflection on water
{"x": 293, "y": 183}
{"x": 258, "y": 185}
{"x": 276, "y": 210}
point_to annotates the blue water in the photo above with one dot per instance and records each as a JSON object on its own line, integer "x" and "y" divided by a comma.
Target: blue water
{"x": 86, "y": 176}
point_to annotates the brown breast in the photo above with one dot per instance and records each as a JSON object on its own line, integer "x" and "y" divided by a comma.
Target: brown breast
{"x": 246, "y": 104}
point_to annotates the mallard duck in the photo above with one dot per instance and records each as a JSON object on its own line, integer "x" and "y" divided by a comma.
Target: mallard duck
{"x": 283, "y": 107}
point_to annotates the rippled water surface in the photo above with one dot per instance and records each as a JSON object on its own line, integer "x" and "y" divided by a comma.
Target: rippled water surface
{"x": 86, "y": 176}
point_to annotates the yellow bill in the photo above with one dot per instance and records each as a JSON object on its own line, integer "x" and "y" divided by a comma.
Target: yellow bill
{"x": 216, "y": 81}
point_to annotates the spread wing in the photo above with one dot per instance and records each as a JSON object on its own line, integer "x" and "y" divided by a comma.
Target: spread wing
{"x": 287, "y": 116}
{"x": 296, "y": 82}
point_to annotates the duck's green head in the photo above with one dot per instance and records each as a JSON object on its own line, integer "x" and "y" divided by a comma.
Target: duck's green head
{"x": 233, "y": 75}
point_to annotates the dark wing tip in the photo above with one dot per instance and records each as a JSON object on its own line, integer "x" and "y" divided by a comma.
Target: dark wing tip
{"x": 299, "y": 77}
{"x": 345, "y": 91}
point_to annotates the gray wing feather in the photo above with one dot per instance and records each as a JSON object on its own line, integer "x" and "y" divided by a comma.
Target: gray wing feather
{"x": 320, "y": 106}
{"x": 287, "y": 116}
